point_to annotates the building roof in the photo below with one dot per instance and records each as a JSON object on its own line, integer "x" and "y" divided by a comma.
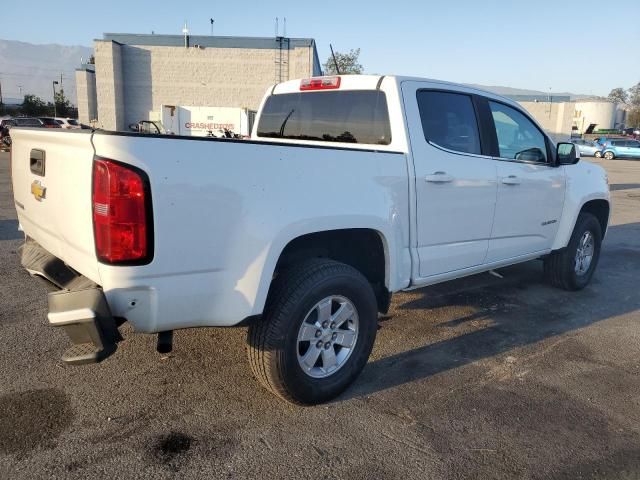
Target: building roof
{"x": 86, "y": 67}
{"x": 540, "y": 98}
{"x": 206, "y": 41}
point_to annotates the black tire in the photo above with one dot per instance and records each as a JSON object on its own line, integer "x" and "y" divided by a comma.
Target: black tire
{"x": 272, "y": 341}
{"x": 609, "y": 156}
{"x": 560, "y": 266}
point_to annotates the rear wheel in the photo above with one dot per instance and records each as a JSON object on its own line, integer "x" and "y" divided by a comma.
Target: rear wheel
{"x": 572, "y": 268}
{"x": 609, "y": 155}
{"x": 598, "y": 154}
{"x": 316, "y": 334}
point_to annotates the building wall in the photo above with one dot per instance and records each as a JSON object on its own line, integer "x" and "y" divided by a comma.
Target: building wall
{"x": 146, "y": 77}
{"x": 109, "y": 85}
{"x": 602, "y": 113}
{"x": 555, "y": 118}
{"x": 86, "y": 96}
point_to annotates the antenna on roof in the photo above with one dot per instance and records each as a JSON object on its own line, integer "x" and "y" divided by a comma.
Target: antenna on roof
{"x": 335, "y": 62}
{"x": 185, "y": 31}
{"x": 212, "y": 22}
{"x": 284, "y": 32}
{"x": 277, "y": 26}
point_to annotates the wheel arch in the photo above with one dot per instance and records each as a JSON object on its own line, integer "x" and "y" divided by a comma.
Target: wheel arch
{"x": 599, "y": 207}
{"x": 366, "y": 249}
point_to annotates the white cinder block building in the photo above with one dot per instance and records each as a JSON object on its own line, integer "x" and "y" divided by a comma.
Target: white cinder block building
{"x": 134, "y": 75}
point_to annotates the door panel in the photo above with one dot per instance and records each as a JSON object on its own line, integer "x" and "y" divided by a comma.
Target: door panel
{"x": 455, "y": 191}
{"x": 528, "y": 209}
{"x": 633, "y": 149}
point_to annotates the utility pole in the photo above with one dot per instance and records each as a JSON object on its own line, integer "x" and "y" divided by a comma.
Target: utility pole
{"x": 55, "y": 111}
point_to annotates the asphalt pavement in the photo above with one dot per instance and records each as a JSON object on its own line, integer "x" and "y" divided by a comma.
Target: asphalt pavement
{"x": 484, "y": 377}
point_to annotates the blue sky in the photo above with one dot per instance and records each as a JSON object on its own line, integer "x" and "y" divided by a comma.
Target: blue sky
{"x": 582, "y": 46}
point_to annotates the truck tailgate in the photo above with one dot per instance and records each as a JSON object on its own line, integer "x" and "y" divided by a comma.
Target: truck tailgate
{"x": 52, "y": 175}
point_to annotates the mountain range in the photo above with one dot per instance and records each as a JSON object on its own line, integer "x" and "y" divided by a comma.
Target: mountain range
{"x": 26, "y": 68}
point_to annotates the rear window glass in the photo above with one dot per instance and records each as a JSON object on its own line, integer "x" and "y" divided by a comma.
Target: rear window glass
{"x": 449, "y": 120}
{"x": 347, "y": 117}
{"x": 73, "y": 122}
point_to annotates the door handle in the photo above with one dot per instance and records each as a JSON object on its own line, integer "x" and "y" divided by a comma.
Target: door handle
{"x": 439, "y": 177}
{"x": 511, "y": 180}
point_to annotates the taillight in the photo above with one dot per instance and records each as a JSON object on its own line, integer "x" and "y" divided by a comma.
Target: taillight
{"x": 122, "y": 220}
{"x": 320, "y": 83}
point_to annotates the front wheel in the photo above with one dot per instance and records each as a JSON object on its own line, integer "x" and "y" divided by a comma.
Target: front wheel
{"x": 608, "y": 156}
{"x": 572, "y": 268}
{"x": 317, "y": 332}
{"x": 598, "y": 154}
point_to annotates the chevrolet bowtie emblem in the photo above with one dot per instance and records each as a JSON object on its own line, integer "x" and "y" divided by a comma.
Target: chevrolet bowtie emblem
{"x": 38, "y": 191}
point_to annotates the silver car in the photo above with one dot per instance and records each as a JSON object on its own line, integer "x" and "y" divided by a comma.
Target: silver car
{"x": 587, "y": 148}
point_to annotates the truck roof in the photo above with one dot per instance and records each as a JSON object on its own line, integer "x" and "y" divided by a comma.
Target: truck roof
{"x": 372, "y": 82}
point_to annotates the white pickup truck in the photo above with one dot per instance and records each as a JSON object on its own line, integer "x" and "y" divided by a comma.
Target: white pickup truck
{"x": 351, "y": 188}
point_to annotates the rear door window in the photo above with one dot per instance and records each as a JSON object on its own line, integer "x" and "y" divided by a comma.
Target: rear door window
{"x": 518, "y": 137}
{"x": 357, "y": 116}
{"x": 449, "y": 120}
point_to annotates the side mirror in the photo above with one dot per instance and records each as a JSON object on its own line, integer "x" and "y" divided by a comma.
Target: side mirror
{"x": 567, "y": 154}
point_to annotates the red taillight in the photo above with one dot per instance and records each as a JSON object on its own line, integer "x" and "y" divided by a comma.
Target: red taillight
{"x": 320, "y": 83}
{"x": 121, "y": 213}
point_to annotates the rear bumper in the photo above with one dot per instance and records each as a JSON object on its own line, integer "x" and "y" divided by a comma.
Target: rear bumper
{"x": 79, "y": 307}
{"x": 85, "y": 317}
{"x": 150, "y": 304}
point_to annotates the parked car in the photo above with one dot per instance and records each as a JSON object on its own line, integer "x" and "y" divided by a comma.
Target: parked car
{"x": 5, "y": 139}
{"x": 26, "y": 122}
{"x": 68, "y": 123}
{"x": 7, "y": 124}
{"x": 621, "y": 149}
{"x": 632, "y": 131}
{"x": 586, "y": 147}
{"x": 50, "y": 122}
{"x": 350, "y": 189}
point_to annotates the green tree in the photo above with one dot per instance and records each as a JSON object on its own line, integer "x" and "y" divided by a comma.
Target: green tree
{"x": 34, "y": 106}
{"x": 618, "y": 95}
{"x": 633, "y": 117}
{"x": 347, "y": 63}
{"x": 634, "y": 95}
{"x": 63, "y": 105}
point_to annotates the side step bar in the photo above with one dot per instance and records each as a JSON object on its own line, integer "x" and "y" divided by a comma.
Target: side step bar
{"x": 85, "y": 317}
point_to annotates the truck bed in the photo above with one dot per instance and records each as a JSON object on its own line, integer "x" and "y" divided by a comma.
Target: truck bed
{"x": 223, "y": 210}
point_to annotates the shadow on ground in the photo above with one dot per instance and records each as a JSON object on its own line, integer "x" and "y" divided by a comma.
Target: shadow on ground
{"x": 509, "y": 322}
{"x": 9, "y": 230}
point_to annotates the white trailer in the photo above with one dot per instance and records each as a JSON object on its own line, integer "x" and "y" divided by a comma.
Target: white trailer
{"x": 199, "y": 121}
